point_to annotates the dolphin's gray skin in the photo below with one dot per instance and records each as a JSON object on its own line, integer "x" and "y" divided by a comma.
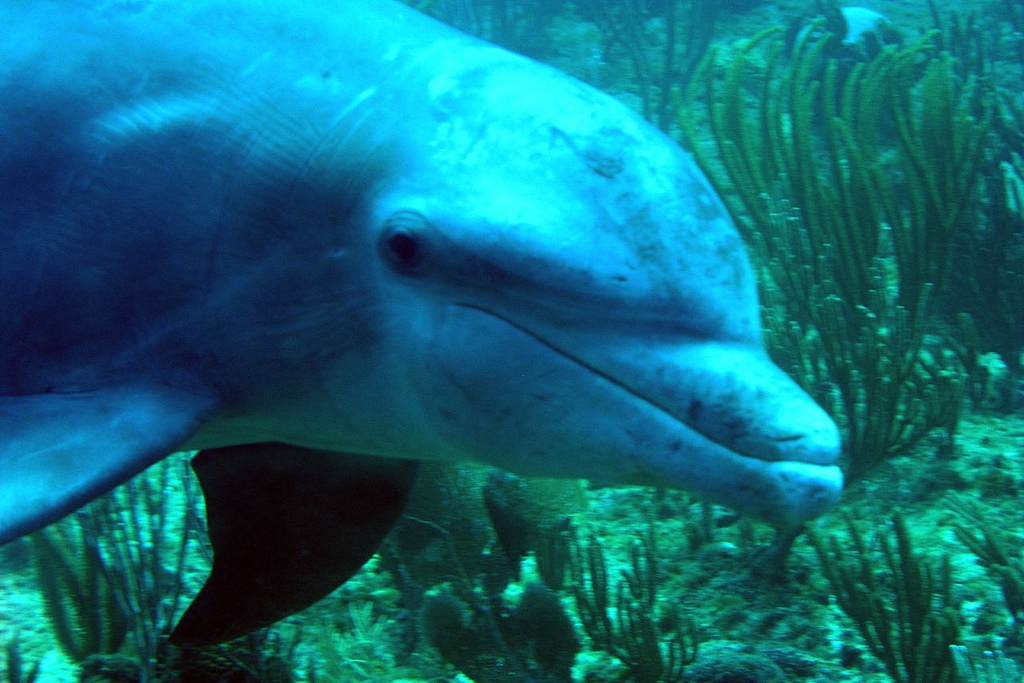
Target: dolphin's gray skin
{"x": 286, "y": 230}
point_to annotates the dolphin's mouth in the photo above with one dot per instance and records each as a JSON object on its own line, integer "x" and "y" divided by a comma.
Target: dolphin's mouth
{"x": 582, "y": 405}
{"x": 766, "y": 418}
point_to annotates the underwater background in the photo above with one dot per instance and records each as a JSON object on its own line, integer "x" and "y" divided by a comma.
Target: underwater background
{"x": 873, "y": 158}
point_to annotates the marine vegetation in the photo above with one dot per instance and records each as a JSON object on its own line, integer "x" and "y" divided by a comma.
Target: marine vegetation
{"x": 113, "y": 574}
{"x": 995, "y": 551}
{"x": 630, "y": 625}
{"x": 454, "y": 559}
{"x": 16, "y": 670}
{"x": 534, "y": 641}
{"x": 364, "y": 652}
{"x": 85, "y": 616}
{"x": 901, "y": 603}
{"x": 984, "y": 667}
{"x": 852, "y": 181}
{"x": 986, "y": 297}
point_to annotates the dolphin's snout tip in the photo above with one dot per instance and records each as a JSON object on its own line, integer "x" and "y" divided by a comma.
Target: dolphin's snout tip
{"x": 808, "y": 479}
{"x": 805, "y": 492}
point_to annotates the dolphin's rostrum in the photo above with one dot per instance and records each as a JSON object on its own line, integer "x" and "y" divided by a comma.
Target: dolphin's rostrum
{"x": 321, "y": 241}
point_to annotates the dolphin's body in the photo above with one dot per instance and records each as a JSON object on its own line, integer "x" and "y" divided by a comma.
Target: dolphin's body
{"x": 281, "y": 231}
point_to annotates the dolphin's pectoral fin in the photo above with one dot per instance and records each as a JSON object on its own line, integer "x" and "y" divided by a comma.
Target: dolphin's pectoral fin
{"x": 59, "y": 450}
{"x": 288, "y": 526}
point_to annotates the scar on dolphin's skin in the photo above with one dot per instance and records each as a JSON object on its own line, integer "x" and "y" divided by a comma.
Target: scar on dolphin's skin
{"x": 321, "y": 242}
{"x": 598, "y": 154}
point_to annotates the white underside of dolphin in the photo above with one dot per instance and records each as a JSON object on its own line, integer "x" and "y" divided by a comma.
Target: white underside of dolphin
{"x": 324, "y": 240}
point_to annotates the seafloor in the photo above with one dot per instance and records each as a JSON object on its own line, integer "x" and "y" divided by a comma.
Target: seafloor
{"x": 752, "y": 626}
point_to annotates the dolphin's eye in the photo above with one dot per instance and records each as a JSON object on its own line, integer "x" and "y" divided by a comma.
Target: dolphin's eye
{"x": 401, "y": 241}
{"x": 403, "y": 249}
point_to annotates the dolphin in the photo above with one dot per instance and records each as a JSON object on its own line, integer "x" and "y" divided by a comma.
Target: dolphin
{"x": 321, "y": 241}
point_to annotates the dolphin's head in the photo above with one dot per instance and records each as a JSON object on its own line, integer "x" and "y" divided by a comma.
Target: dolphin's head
{"x": 575, "y": 301}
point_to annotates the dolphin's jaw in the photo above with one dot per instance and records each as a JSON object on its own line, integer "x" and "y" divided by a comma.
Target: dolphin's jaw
{"x": 731, "y": 394}
{"x": 570, "y": 417}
